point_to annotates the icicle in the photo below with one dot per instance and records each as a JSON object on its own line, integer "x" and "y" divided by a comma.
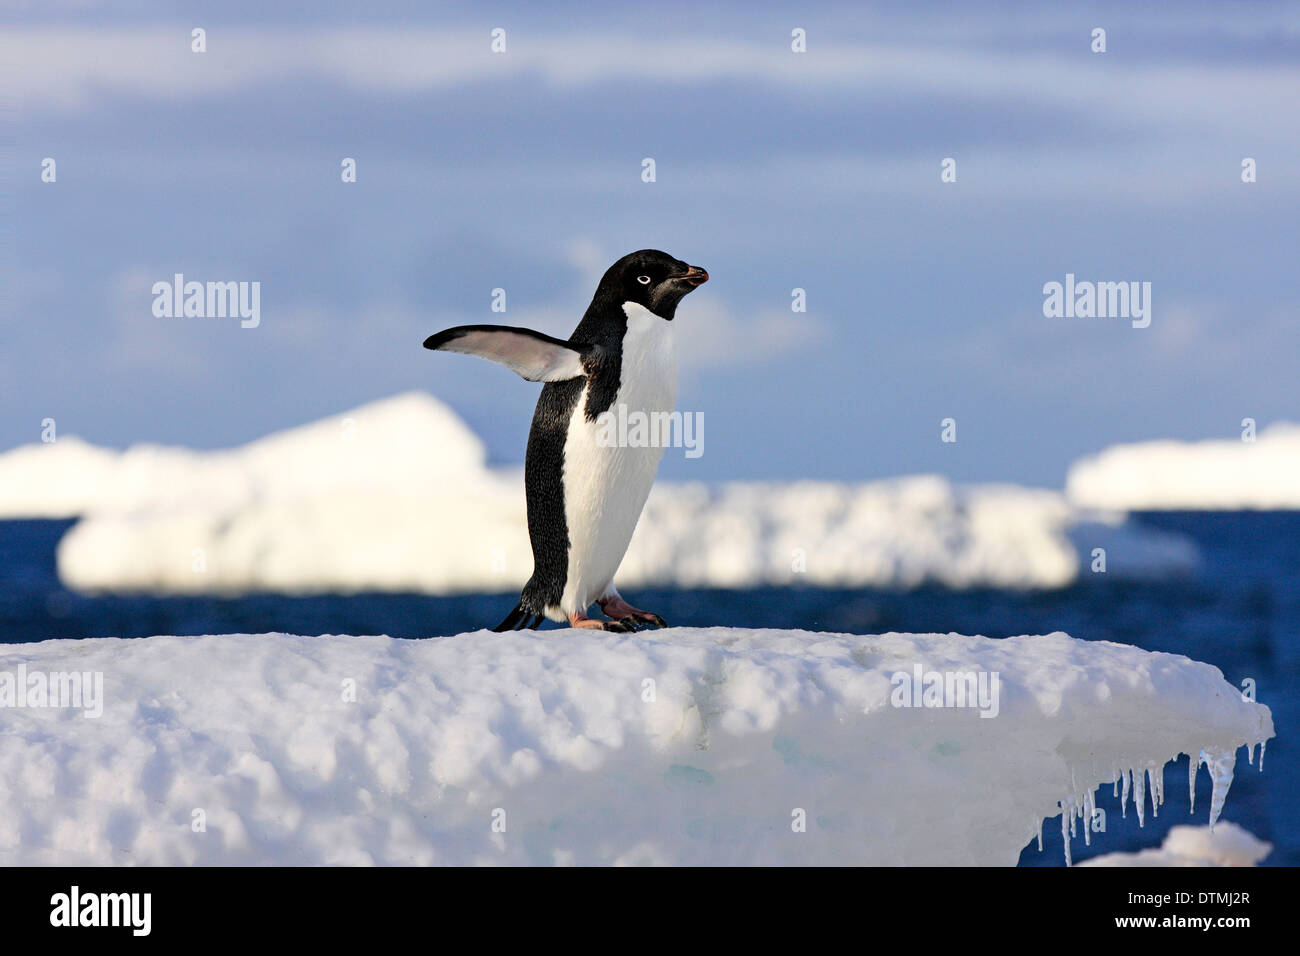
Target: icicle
{"x": 1040, "y": 834}
{"x": 1123, "y": 800}
{"x": 1065, "y": 834}
{"x": 1250, "y": 755}
{"x": 1140, "y": 796}
{"x": 1114, "y": 783}
{"x": 1157, "y": 778}
{"x": 1262, "y": 745}
{"x": 1087, "y": 818}
{"x": 1193, "y": 764}
{"x": 1221, "y": 764}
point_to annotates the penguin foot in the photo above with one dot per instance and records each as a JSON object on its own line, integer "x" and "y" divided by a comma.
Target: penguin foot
{"x": 579, "y": 619}
{"x": 622, "y": 612}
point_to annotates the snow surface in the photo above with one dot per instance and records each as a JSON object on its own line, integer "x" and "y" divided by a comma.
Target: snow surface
{"x": 1226, "y": 845}
{"x": 683, "y": 746}
{"x": 396, "y": 496}
{"x": 1210, "y": 475}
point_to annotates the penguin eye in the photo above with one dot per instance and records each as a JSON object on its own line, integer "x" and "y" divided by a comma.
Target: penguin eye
{"x": 644, "y": 280}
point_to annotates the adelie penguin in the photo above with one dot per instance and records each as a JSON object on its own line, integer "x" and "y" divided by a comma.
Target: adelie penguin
{"x": 584, "y": 495}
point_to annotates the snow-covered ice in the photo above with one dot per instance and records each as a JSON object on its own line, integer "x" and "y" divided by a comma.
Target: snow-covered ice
{"x": 1225, "y": 845}
{"x": 686, "y": 746}
{"x": 409, "y": 440}
{"x": 397, "y": 496}
{"x": 1221, "y": 475}
{"x": 903, "y": 532}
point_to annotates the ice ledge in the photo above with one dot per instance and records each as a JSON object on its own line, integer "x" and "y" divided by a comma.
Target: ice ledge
{"x": 680, "y": 746}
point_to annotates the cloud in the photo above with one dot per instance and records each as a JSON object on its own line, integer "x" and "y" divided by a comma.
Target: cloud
{"x": 711, "y": 335}
{"x": 60, "y": 67}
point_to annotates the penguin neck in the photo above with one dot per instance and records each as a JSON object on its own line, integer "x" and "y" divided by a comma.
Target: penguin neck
{"x": 606, "y": 319}
{"x": 648, "y": 347}
{"x": 644, "y": 322}
{"x": 637, "y": 365}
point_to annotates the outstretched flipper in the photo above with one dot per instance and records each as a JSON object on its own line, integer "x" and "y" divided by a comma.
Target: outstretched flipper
{"x": 532, "y": 355}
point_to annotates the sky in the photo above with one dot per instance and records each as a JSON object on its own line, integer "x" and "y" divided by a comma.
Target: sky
{"x": 775, "y": 170}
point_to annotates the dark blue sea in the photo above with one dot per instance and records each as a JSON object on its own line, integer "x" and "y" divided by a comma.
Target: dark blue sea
{"x": 1240, "y": 612}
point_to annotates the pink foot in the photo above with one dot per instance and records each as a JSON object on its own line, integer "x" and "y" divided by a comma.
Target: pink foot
{"x": 618, "y": 609}
{"x": 579, "y": 619}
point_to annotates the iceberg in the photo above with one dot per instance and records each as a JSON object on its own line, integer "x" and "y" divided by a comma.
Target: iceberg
{"x": 1221, "y": 475}
{"x": 682, "y": 746}
{"x": 409, "y": 440}
{"x": 397, "y": 496}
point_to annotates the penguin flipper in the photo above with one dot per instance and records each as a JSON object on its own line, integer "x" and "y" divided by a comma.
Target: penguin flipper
{"x": 531, "y": 355}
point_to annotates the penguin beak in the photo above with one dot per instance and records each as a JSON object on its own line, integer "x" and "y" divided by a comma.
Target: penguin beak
{"x": 693, "y": 276}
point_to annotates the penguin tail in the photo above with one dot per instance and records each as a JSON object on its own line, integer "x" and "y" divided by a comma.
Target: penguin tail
{"x": 517, "y": 618}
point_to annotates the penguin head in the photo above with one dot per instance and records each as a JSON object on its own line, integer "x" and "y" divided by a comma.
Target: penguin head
{"x": 652, "y": 279}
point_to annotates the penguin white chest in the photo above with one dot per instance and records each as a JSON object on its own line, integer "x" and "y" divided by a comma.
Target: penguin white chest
{"x": 608, "y": 471}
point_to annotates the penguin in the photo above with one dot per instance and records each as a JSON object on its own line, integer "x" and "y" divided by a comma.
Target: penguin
{"x": 585, "y": 495}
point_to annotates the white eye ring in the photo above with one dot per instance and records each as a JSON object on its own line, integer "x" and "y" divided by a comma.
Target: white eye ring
{"x": 644, "y": 280}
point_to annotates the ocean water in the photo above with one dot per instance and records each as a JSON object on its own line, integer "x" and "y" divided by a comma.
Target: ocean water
{"x": 1239, "y": 612}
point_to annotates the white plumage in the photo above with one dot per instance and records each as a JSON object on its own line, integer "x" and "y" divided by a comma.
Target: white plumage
{"x": 605, "y": 488}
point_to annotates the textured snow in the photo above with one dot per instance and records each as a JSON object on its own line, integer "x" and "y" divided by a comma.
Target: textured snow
{"x": 685, "y": 746}
{"x": 396, "y": 496}
{"x": 1212, "y": 475}
{"x": 1226, "y": 845}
